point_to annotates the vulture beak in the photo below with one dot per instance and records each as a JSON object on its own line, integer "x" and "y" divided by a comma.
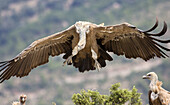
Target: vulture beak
{"x": 145, "y": 77}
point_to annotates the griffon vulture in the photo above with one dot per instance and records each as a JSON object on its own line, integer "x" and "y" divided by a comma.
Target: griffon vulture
{"x": 85, "y": 45}
{"x": 22, "y": 100}
{"x": 157, "y": 95}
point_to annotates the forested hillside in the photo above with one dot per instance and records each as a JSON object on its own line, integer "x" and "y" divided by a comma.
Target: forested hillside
{"x": 23, "y": 21}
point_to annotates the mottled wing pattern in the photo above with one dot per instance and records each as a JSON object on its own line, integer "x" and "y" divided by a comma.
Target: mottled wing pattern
{"x": 125, "y": 39}
{"x": 37, "y": 54}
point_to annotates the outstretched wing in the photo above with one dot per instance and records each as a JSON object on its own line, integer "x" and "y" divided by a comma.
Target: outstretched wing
{"x": 125, "y": 39}
{"x": 37, "y": 54}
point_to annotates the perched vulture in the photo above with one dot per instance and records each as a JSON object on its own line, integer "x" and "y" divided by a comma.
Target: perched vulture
{"x": 22, "y": 100}
{"x": 157, "y": 95}
{"x": 85, "y": 45}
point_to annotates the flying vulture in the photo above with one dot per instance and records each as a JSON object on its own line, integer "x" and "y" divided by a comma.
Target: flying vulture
{"x": 157, "y": 95}
{"x": 86, "y": 46}
{"x": 22, "y": 100}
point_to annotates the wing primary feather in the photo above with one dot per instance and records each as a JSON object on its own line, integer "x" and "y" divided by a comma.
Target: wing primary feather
{"x": 61, "y": 48}
{"x": 141, "y": 53}
{"x": 110, "y": 47}
{"x": 5, "y": 73}
{"x": 38, "y": 61}
{"x": 159, "y": 51}
{"x": 119, "y": 48}
{"x": 56, "y": 49}
{"x": 113, "y": 46}
{"x": 34, "y": 58}
{"x": 155, "y": 49}
{"x": 116, "y": 49}
{"x": 43, "y": 60}
{"x": 131, "y": 48}
{"x": 23, "y": 65}
{"x": 151, "y": 29}
{"x": 143, "y": 48}
{"x": 11, "y": 72}
{"x": 162, "y": 41}
{"x": 146, "y": 48}
{"x": 3, "y": 64}
{"x": 45, "y": 55}
{"x": 135, "y": 47}
{"x": 66, "y": 46}
{"x": 160, "y": 33}
{"x": 28, "y": 67}
{"x": 16, "y": 68}
{"x": 4, "y": 67}
{"x": 13, "y": 69}
{"x": 125, "y": 49}
{"x": 161, "y": 46}
{"x": 150, "y": 50}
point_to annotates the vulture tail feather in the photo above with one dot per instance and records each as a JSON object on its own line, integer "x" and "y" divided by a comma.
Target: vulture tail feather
{"x": 104, "y": 54}
{"x": 101, "y": 61}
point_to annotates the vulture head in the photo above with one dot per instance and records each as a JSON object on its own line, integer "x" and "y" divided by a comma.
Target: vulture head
{"x": 23, "y": 99}
{"x": 151, "y": 76}
{"x": 82, "y": 28}
{"x": 157, "y": 95}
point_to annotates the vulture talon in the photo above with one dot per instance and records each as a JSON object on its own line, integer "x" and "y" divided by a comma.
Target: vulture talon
{"x": 97, "y": 65}
{"x": 68, "y": 60}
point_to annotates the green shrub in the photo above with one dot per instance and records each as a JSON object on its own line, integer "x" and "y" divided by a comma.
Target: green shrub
{"x": 117, "y": 97}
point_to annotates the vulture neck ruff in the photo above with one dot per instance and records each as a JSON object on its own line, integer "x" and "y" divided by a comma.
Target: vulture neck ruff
{"x": 82, "y": 28}
{"x": 153, "y": 86}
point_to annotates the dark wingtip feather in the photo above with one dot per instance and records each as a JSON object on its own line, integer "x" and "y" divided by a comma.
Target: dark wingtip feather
{"x": 163, "y": 30}
{"x": 162, "y": 47}
{"x": 151, "y": 29}
{"x": 162, "y": 41}
{"x": 160, "y": 33}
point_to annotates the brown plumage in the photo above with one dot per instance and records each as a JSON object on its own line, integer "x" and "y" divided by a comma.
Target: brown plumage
{"x": 22, "y": 100}
{"x": 157, "y": 95}
{"x": 85, "y": 45}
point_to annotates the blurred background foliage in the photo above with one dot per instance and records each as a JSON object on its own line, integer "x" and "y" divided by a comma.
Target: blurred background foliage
{"x": 22, "y": 22}
{"x": 116, "y": 97}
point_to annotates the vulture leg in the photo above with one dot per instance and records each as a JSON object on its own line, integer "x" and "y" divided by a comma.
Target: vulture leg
{"x": 94, "y": 56}
{"x": 69, "y": 60}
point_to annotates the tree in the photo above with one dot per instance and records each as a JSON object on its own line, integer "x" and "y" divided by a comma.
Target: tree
{"x": 117, "y": 97}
